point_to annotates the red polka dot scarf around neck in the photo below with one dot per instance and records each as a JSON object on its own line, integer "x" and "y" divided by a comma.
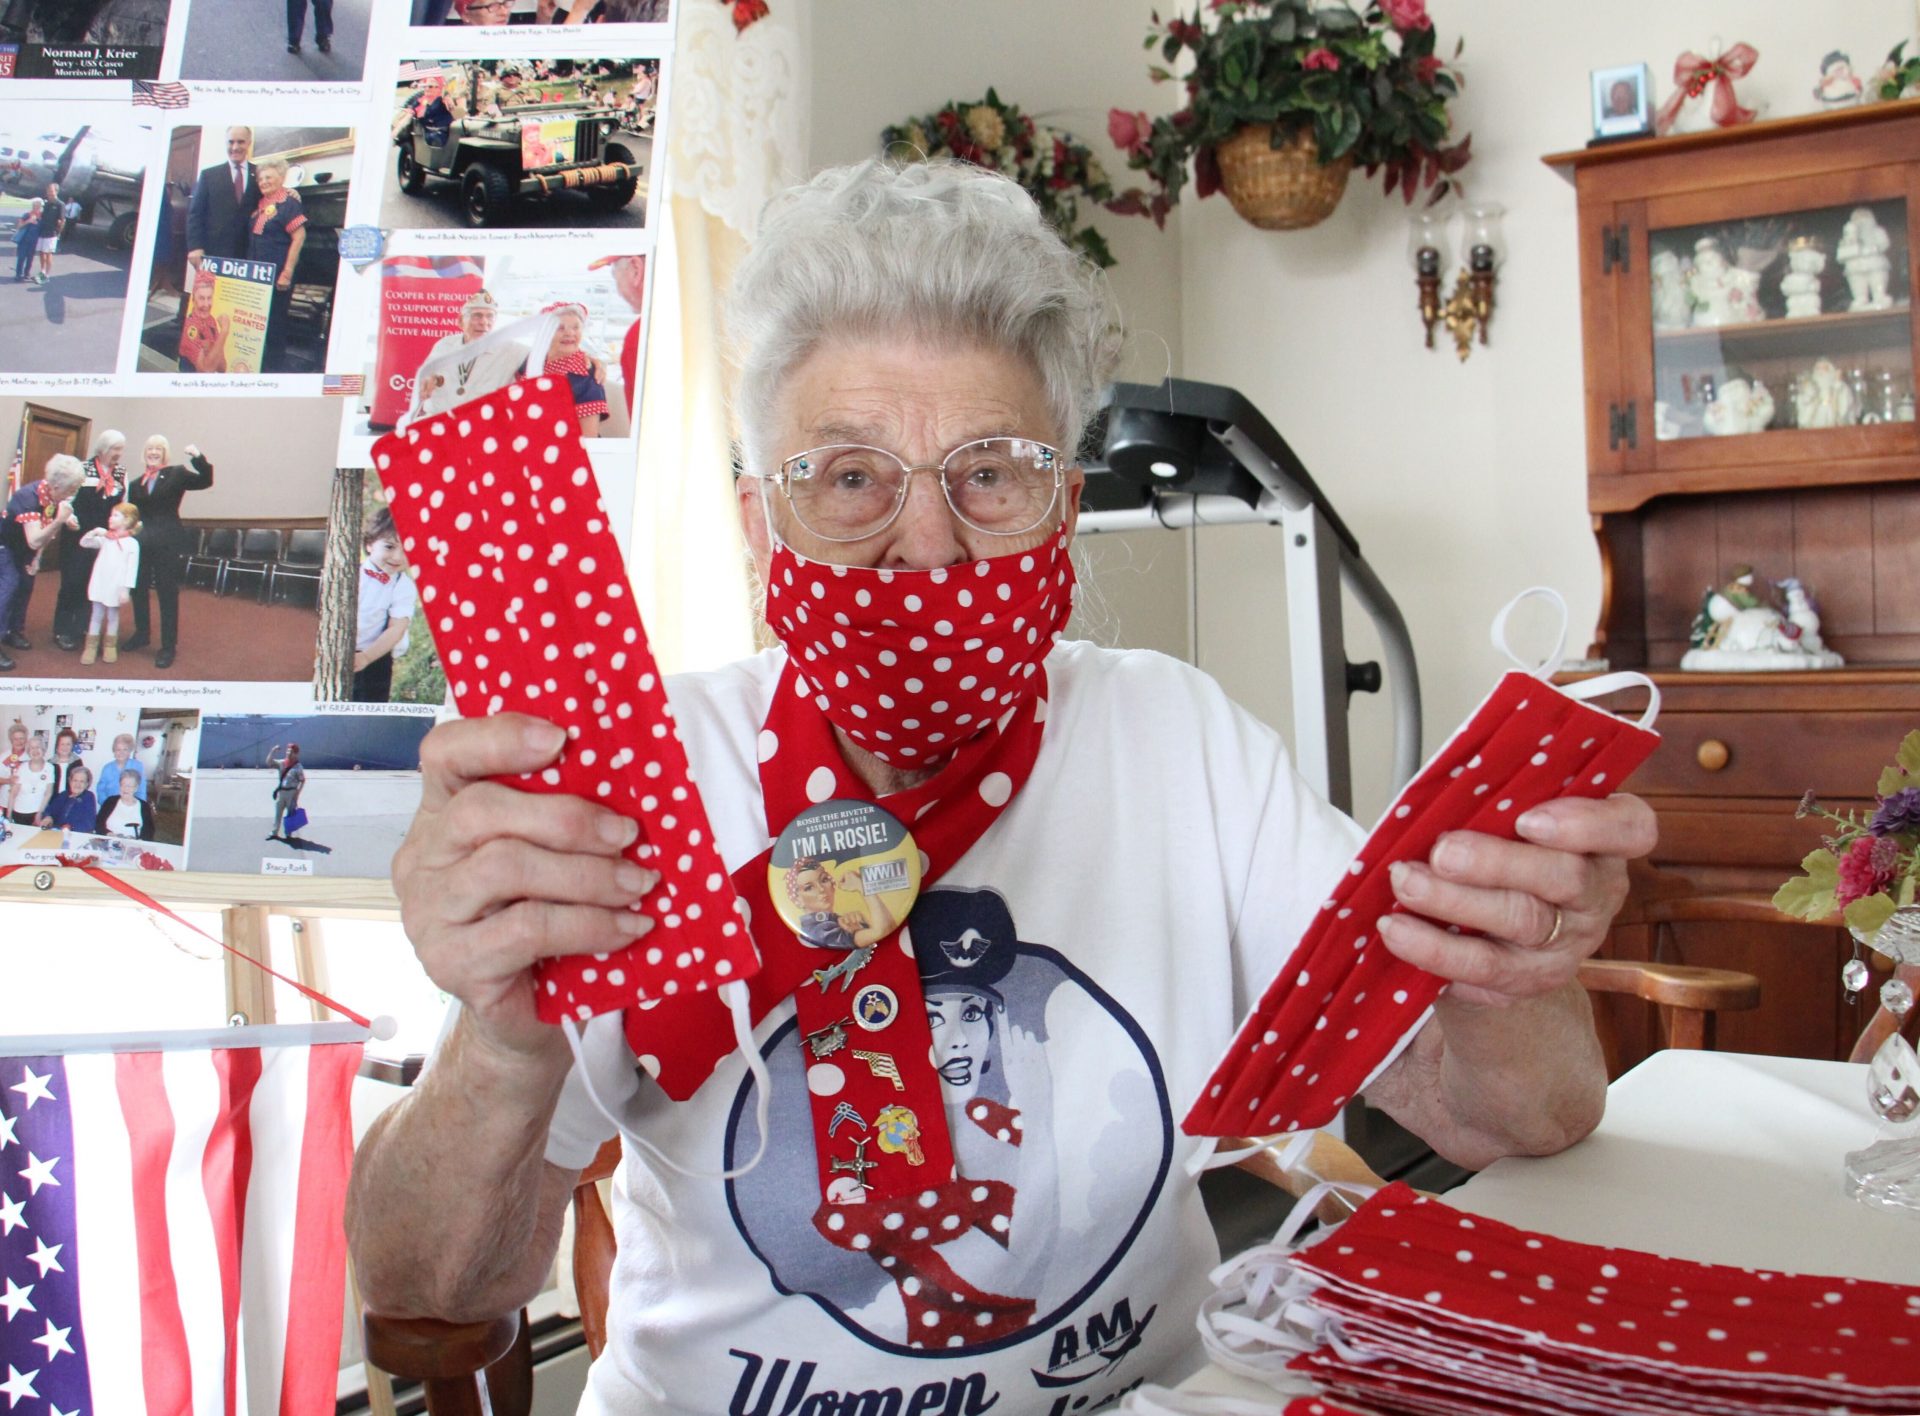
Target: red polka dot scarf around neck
{"x": 1412, "y": 1305}
{"x": 886, "y": 652}
{"x": 1342, "y": 1001}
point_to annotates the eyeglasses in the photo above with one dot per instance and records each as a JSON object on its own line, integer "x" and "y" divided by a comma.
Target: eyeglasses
{"x": 847, "y": 491}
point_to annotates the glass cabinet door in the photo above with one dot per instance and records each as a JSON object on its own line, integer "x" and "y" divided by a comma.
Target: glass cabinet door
{"x": 1799, "y": 320}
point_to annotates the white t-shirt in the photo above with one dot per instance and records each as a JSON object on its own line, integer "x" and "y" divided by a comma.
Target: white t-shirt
{"x": 1155, "y": 871}
{"x": 379, "y": 603}
{"x": 34, "y": 790}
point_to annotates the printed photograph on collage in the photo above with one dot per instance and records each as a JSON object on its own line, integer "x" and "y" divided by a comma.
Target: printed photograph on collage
{"x": 82, "y": 39}
{"x": 165, "y": 538}
{"x": 374, "y": 645}
{"x": 97, "y": 780}
{"x": 246, "y": 260}
{"x": 71, "y": 178}
{"x": 517, "y": 141}
{"x": 452, "y": 328}
{"x": 314, "y": 41}
{"x": 541, "y": 12}
{"x": 307, "y": 794}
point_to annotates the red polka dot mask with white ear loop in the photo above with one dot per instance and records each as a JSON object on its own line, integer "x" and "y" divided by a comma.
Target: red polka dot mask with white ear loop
{"x": 912, "y": 663}
{"x": 1342, "y": 1002}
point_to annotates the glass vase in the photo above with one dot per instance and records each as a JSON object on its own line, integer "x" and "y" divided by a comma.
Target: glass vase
{"x": 1886, "y": 1174}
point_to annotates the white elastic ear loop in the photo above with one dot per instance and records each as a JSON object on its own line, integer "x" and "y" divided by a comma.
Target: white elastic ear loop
{"x": 1602, "y": 684}
{"x": 734, "y": 995}
{"x": 1553, "y": 661}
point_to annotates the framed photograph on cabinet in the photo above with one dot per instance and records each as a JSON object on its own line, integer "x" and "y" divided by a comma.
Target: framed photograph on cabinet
{"x": 1622, "y": 103}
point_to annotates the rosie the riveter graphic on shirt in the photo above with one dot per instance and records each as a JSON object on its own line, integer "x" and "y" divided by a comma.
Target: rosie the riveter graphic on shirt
{"x": 1062, "y": 1135}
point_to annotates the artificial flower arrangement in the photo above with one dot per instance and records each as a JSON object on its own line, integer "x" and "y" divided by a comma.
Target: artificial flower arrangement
{"x": 1868, "y": 867}
{"x": 1365, "y": 82}
{"x": 1054, "y": 167}
{"x": 1898, "y": 77}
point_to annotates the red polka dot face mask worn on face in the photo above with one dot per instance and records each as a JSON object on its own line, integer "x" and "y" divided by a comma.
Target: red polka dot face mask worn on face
{"x": 912, "y": 663}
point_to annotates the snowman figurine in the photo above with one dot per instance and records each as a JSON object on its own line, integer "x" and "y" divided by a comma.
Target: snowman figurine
{"x": 1801, "y": 283}
{"x": 1862, "y": 254}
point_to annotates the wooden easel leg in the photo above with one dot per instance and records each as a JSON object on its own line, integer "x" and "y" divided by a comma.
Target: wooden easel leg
{"x": 310, "y": 963}
{"x": 249, "y": 990}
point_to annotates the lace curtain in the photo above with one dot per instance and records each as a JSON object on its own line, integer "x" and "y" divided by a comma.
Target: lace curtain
{"x": 738, "y": 130}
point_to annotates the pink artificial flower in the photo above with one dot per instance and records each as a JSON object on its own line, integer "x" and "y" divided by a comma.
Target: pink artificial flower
{"x": 1321, "y": 58}
{"x": 1866, "y": 868}
{"x": 1407, "y": 14}
{"x": 1129, "y": 131}
{"x": 1426, "y": 67}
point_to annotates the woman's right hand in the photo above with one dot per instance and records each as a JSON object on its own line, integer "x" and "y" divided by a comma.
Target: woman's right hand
{"x": 491, "y": 879}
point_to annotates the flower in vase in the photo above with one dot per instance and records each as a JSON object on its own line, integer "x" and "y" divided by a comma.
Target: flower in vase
{"x": 1866, "y": 868}
{"x": 1128, "y": 131}
{"x": 1896, "y": 813}
{"x": 1321, "y": 58}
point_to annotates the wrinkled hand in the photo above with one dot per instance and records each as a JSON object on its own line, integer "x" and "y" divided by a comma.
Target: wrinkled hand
{"x": 491, "y": 879}
{"x": 1572, "y": 855}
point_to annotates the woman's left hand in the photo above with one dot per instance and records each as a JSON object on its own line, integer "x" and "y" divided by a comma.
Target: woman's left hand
{"x": 192, "y": 450}
{"x": 1541, "y": 905}
{"x": 285, "y": 282}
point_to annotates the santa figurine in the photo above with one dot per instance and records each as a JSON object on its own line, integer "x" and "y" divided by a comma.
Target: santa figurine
{"x": 1862, "y": 254}
{"x": 1839, "y": 86}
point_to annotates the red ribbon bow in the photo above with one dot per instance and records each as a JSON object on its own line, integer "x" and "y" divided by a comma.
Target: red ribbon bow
{"x": 379, "y": 575}
{"x": 1692, "y": 75}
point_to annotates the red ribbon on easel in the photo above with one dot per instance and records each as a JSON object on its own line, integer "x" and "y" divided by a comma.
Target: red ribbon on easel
{"x": 1691, "y": 76}
{"x": 147, "y": 902}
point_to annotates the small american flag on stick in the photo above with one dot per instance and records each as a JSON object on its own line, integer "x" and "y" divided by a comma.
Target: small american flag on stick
{"x": 150, "y": 93}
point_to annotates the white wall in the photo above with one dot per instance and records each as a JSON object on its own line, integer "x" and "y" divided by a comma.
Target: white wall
{"x": 1065, "y": 63}
{"x": 1463, "y": 483}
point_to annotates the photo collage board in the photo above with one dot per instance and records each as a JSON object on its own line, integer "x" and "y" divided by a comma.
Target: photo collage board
{"x": 235, "y": 251}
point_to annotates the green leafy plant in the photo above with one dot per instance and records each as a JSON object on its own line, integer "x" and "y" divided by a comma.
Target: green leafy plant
{"x": 1365, "y": 82}
{"x": 1868, "y": 867}
{"x": 1056, "y": 168}
{"x": 1898, "y": 74}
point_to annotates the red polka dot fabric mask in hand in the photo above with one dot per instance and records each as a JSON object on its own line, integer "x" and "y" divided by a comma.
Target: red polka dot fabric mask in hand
{"x": 912, "y": 663}
{"x": 525, "y": 590}
{"x": 1342, "y": 1002}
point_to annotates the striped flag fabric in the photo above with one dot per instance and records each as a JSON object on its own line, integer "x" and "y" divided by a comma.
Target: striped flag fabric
{"x": 170, "y": 1221}
{"x": 150, "y": 93}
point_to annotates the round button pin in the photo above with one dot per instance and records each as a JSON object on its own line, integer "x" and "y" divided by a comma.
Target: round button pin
{"x": 844, "y": 876}
{"x": 875, "y": 1006}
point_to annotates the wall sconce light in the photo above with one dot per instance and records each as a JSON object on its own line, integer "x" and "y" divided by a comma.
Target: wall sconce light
{"x": 1468, "y": 310}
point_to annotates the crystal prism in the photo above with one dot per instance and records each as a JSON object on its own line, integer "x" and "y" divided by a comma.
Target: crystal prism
{"x": 1854, "y": 975}
{"x": 1893, "y": 1080}
{"x": 1896, "y": 996}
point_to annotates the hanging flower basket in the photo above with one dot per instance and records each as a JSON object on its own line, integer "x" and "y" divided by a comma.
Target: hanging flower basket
{"x": 1283, "y": 188}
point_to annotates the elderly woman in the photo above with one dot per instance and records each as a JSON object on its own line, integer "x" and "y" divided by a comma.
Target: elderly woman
{"x": 34, "y": 515}
{"x": 104, "y": 488}
{"x": 1134, "y": 858}
{"x": 276, "y": 232}
{"x": 164, "y": 541}
{"x": 72, "y": 806}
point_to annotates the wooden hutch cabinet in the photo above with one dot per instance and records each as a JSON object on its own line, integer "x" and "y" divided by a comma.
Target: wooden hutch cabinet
{"x": 1690, "y": 476}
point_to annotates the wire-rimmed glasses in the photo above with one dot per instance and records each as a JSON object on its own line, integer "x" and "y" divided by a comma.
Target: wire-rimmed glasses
{"x": 1002, "y": 486}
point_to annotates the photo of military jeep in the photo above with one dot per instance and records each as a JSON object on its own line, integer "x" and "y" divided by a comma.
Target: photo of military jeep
{"x": 525, "y": 154}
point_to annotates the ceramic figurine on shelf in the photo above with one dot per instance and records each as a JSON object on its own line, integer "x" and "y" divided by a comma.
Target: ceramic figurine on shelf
{"x": 1743, "y": 406}
{"x": 1744, "y": 625}
{"x": 1862, "y": 254}
{"x": 1723, "y": 293}
{"x": 1801, "y": 283}
{"x": 1703, "y": 98}
{"x": 1839, "y": 86}
{"x": 1672, "y": 306}
{"x": 1824, "y": 399}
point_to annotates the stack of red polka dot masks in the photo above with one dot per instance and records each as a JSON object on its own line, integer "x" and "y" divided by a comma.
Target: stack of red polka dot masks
{"x": 1342, "y": 1002}
{"x": 523, "y": 587}
{"x": 1420, "y": 1308}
